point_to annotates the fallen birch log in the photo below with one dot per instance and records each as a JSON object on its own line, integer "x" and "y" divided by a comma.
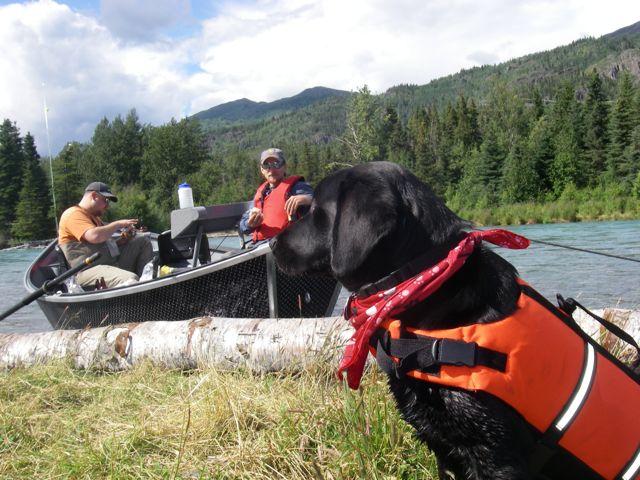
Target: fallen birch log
{"x": 261, "y": 345}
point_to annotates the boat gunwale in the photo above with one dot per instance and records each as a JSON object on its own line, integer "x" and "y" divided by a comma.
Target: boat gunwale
{"x": 140, "y": 287}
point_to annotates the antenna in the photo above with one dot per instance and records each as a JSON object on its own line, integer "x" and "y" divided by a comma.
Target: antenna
{"x": 53, "y": 190}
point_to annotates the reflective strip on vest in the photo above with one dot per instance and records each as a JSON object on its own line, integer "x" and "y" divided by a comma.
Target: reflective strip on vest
{"x": 583, "y": 388}
{"x": 632, "y": 470}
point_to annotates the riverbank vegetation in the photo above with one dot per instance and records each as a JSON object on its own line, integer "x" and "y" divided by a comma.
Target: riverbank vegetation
{"x": 147, "y": 423}
{"x": 513, "y": 156}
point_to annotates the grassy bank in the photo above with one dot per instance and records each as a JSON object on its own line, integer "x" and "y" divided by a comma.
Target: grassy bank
{"x": 56, "y": 422}
{"x": 559, "y": 211}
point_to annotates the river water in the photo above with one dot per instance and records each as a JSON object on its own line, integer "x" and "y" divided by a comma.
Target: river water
{"x": 593, "y": 280}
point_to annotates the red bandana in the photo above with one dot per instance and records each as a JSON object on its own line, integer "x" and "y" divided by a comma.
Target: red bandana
{"x": 369, "y": 313}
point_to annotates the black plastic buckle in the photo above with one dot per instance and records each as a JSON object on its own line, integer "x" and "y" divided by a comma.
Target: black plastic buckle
{"x": 457, "y": 352}
{"x": 567, "y": 305}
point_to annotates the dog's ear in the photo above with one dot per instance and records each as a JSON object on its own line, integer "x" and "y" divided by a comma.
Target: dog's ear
{"x": 365, "y": 215}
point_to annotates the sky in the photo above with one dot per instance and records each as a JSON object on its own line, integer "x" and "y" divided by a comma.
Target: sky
{"x": 90, "y": 59}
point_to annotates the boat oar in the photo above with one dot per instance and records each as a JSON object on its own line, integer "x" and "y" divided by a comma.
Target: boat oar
{"x": 49, "y": 284}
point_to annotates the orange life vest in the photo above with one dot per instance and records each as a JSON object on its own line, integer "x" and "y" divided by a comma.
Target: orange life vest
{"x": 581, "y": 399}
{"x": 275, "y": 218}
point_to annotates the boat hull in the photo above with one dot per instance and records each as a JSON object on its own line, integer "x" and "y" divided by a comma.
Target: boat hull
{"x": 247, "y": 285}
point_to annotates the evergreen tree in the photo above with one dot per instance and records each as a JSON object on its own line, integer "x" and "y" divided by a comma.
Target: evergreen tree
{"x": 394, "y": 143}
{"x": 631, "y": 157}
{"x": 538, "y": 104}
{"x": 466, "y": 130}
{"x": 175, "y": 151}
{"x": 449, "y": 160}
{"x": 116, "y": 151}
{"x": 490, "y": 163}
{"x": 32, "y": 212}
{"x": 361, "y": 135}
{"x": 471, "y": 192}
{"x": 67, "y": 180}
{"x": 519, "y": 178}
{"x": 596, "y": 113}
{"x": 565, "y": 167}
{"x": 541, "y": 149}
{"x": 10, "y": 173}
{"x": 621, "y": 126}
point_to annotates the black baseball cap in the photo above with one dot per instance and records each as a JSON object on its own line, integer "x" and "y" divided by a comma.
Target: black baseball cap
{"x": 101, "y": 188}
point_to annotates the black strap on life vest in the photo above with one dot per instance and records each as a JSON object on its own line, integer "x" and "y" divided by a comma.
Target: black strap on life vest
{"x": 427, "y": 354}
{"x": 568, "y": 305}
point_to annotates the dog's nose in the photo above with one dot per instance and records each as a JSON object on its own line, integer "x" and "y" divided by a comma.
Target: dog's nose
{"x": 272, "y": 243}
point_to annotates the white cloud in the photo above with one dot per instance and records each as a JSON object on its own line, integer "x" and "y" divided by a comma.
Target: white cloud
{"x": 259, "y": 49}
{"x": 87, "y": 74}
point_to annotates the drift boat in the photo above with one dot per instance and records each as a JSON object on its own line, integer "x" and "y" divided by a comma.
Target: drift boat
{"x": 219, "y": 281}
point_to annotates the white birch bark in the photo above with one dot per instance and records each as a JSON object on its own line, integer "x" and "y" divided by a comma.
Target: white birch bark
{"x": 260, "y": 345}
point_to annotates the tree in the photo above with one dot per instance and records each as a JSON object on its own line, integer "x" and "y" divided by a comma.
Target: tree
{"x": 519, "y": 178}
{"x": 116, "y": 151}
{"x": 175, "y": 151}
{"x": 565, "y": 166}
{"x": 393, "y": 139}
{"x": 10, "y": 172}
{"x": 67, "y": 180}
{"x": 596, "y": 114}
{"x": 621, "y": 126}
{"x": 631, "y": 157}
{"x": 490, "y": 163}
{"x": 32, "y": 212}
{"x": 541, "y": 149}
{"x": 361, "y": 133}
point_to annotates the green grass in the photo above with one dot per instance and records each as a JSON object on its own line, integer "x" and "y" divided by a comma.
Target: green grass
{"x": 559, "y": 211}
{"x": 57, "y": 422}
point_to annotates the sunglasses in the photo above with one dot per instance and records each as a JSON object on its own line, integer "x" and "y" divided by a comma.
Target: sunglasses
{"x": 272, "y": 165}
{"x": 106, "y": 200}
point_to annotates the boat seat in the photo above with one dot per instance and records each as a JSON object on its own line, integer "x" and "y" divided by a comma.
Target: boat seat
{"x": 175, "y": 251}
{"x": 62, "y": 265}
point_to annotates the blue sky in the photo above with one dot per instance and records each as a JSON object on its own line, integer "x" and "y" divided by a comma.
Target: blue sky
{"x": 170, "y": 58}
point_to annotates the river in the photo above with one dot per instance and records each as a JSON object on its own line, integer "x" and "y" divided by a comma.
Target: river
{"x": 593, "y": 280}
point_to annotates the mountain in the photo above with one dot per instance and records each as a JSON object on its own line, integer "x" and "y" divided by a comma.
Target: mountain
{"x": 245, "y": 109}
{"x": 317, "y": 115}
{"x": 608, "y": 55}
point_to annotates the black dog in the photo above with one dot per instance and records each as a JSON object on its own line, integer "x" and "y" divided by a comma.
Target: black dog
{"x": 370, "y": 220}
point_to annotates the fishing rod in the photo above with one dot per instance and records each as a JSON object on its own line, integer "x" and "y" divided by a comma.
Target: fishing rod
{"x": 47, "y": 286}
{"x": 46, "y": 125}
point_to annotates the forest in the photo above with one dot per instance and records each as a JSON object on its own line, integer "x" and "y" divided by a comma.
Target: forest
{"x": 511, "y": 156}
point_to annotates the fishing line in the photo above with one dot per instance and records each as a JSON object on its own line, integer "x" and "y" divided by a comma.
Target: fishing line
{"x": 585, "y": 250}
{"x": 594, "y": 252}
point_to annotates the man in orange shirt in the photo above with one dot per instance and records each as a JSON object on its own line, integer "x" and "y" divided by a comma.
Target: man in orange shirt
{"x": 82, "y": 233}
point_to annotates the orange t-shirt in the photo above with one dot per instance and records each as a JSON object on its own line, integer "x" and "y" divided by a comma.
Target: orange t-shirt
{"x": 74, "y": 222}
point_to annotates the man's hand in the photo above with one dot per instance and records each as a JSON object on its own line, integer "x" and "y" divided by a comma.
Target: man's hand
{"x": 104, "y": 233}
{"x": 255, "y": 218}
{"x": 124, "y": 224}
{"x": 296, "y": 201}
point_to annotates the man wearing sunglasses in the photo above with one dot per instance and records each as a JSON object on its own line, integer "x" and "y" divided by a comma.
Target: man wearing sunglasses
{"x": 82, "y": 233}
{"x": 278, "y": 201}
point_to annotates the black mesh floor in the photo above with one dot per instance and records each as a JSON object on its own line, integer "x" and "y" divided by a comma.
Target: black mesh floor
{"x": 238, "y": 291}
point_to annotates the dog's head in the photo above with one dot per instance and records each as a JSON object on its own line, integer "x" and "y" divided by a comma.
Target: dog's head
{"x": 365, "y": 222}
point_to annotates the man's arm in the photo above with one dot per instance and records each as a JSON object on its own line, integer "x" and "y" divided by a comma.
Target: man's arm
{"x": 103, "y": 233}
{"x": 300, "y": 199}
{"x": 243, "y": 225}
